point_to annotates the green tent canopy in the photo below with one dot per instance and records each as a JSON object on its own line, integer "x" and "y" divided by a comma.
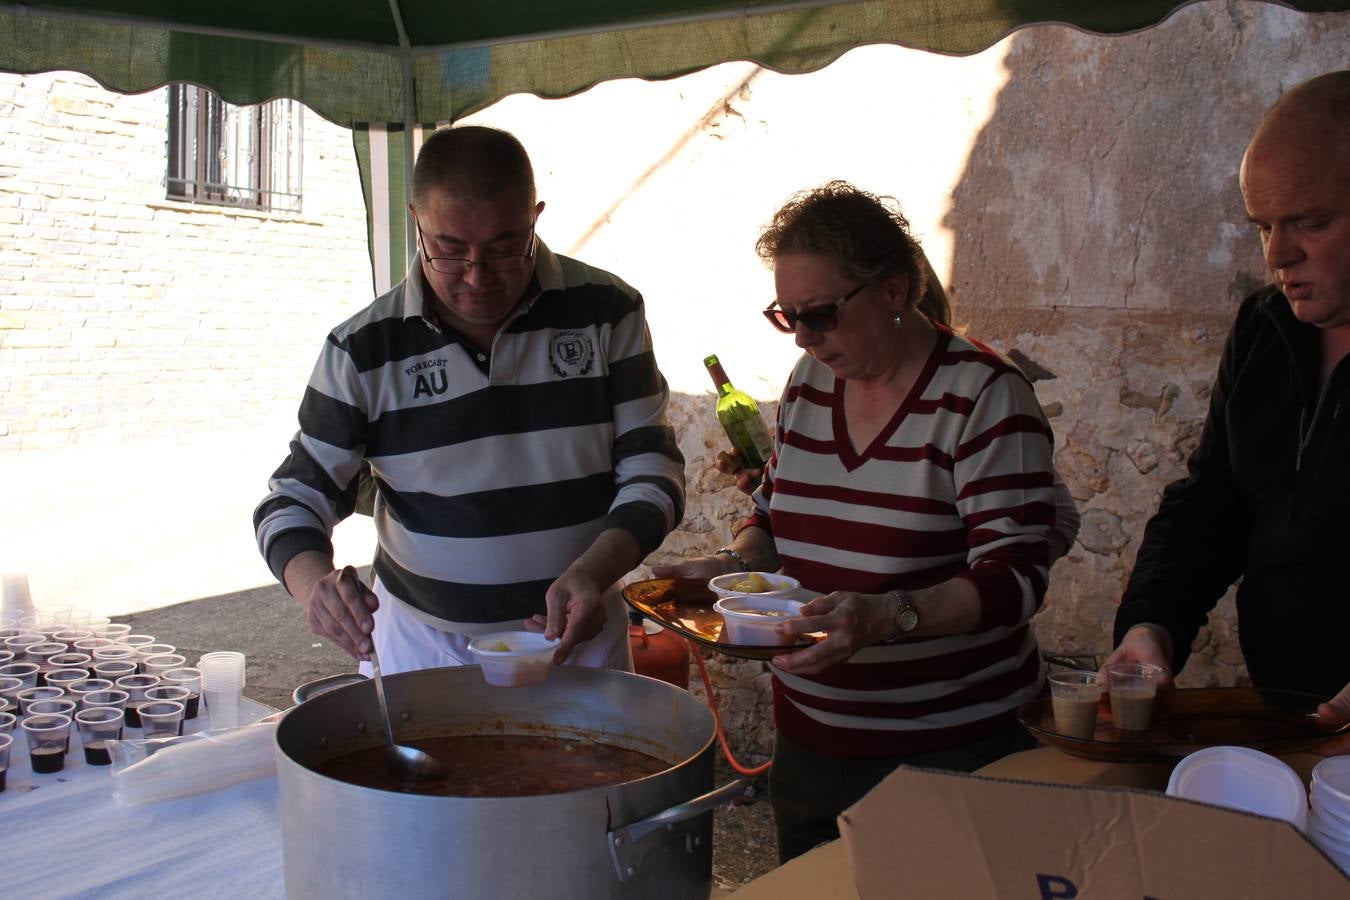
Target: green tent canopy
{"x": 432, "y": 60}
{"x": 384, "y": 66}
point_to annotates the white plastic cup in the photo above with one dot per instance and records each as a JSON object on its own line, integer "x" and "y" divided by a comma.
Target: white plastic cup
{"x": 222, "y": 686}
{"x": 514, "y": 658}
{"x": 78, "y": 690}
{"x": 1074, "y": 697}
{"x": 222, "y": 671}
{"x": 189, "y": 677}
{"x": 161, "y": 718}
{"x": 223, "y": 661}
{"x": 1331, "y": 782}
{"x": 48, "y": 737}
{"x": 113, "y": 631}
{"x": 16, "y": 595}
{"x": 1132, "y": 687}
{"x": 98, "y": 727}
{"x": 222, "y": 708}
{"x": 6, "y": 741}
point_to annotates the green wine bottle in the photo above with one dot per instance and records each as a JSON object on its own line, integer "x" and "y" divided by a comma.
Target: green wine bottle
{"x": 740, "y": 418}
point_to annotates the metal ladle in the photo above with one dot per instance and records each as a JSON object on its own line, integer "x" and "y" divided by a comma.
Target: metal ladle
{"x": 405, "y": 763}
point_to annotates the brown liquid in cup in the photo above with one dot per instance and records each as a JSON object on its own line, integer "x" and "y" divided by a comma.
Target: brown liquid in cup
{"x": 1132, "y": 708}
{"x": 1074, "y": 716}
{"x": 96, "y": 753}
{"x": 46, "y": 760}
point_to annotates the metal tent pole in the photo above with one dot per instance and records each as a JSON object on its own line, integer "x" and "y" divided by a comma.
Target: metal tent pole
{"x": 409, "y": 117}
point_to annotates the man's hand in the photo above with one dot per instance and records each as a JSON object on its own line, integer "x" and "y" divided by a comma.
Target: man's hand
{"x": 850, "y": 622}
{"x": 698, "y": 567}
{"x": 338, "y": 606}
{"x": 574, "y": 612}
{"x": 729, "y": 463}
{"x": 1333, "y": 713}
{"x": 1145, "y": 643}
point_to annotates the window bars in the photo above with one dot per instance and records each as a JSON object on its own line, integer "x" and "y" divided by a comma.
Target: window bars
{"x": 244, "y": 156}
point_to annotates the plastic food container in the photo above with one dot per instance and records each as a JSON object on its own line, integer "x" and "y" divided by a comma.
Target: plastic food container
{"x": 739, "y": 583}
{"x": 1329, "y": 817}
{"x": 1242, "y": 778}
{"x": 1331, "y": 780}
{"x": 752, "y": 618}
{"x": 513, "y": 658}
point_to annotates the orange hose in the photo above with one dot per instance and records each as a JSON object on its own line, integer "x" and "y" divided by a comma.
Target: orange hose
{"x": 717, "y": 718}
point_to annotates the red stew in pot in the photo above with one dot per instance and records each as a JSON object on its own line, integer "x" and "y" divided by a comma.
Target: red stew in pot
{"x": 501, "y": 765}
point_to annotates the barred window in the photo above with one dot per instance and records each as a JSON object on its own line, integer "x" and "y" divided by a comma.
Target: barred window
{"x": 247, "y": 156}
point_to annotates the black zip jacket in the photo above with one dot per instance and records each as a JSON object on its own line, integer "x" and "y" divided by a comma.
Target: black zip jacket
{"x": 1267, "y": 500}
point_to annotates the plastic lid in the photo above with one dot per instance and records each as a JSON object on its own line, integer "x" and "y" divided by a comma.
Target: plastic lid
{"x": 1331, "y": 782}
{"x": 1241, "y": 778}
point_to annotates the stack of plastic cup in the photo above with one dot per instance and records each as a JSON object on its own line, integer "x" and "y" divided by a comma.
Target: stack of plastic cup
{"x": 1329, "y": 815}
{"x": 222, "y": 686}
{"x": 15, "y": 599}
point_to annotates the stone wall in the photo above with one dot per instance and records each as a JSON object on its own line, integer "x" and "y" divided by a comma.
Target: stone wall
{"x": 1109, "y": 169}
{"x": 1077, "y": 193}
{"x": 124, "y": 315}
{"x": 1097, "y": 233}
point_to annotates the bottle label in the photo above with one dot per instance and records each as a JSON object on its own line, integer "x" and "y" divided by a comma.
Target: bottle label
{"x": 757, "y": 439}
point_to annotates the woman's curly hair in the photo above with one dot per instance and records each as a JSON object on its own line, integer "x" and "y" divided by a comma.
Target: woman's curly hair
{"x": 865, "y": 235}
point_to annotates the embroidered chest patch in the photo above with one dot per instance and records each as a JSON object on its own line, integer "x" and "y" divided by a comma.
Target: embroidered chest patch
{"x": 571, "y": 353}
{"x": 428, "y": 377}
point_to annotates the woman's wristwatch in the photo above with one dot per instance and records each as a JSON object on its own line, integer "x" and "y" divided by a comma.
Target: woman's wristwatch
{"x": 906, "y": 614}
{"x": 740, "y": 560}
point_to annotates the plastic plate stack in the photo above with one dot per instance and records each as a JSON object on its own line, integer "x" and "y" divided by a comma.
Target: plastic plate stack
{"x": 1329, "y": 812}
{"x": 1241, "y": 778}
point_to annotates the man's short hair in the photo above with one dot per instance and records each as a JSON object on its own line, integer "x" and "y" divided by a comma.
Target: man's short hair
{"x": 1326, "y": 97}
{"x": 473, "y": 163}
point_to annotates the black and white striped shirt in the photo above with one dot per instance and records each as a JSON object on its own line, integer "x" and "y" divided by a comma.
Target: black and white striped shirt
{"x": 494, "y": 472}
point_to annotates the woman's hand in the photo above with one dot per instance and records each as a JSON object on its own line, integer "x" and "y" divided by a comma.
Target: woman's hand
{"x": 850, "y": 622}
{"x": 729, "y": 463}
{"x": 703, "y": 567}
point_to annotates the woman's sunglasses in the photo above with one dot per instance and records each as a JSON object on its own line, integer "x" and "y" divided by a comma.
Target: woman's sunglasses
{"x": 817, "y": 318}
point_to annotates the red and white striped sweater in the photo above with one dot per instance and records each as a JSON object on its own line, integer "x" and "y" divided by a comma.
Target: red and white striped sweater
{"x": 958, "y": 484}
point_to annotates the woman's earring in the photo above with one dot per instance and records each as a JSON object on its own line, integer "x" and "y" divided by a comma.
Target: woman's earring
{"x": 896, "y": 320}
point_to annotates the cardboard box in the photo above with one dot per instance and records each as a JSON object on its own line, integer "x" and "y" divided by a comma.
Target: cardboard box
{"x": 929, "y": 834}
{"x": 925, "y": 833}
{"x": 822, "y": 874}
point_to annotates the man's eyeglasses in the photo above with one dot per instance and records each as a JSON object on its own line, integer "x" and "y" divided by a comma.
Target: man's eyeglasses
{"x": 817, "y": 318}
{"x": 455, "y": 265}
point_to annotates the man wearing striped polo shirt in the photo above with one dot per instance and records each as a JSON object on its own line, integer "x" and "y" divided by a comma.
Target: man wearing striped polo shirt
{"x": 509, "y": 407}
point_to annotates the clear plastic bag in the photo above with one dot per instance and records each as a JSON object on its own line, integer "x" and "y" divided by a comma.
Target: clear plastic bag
{"x": 146, "y": 771}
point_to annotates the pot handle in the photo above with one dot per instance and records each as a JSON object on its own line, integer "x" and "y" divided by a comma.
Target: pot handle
{"x": 311, "y": 689}
{"x": 628, "y": 845}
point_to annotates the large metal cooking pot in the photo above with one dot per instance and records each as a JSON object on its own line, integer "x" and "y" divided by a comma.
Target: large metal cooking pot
{"x": 648, "y": 838}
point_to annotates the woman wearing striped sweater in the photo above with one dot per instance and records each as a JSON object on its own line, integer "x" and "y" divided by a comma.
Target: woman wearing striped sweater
{"x": 911, "y": 485}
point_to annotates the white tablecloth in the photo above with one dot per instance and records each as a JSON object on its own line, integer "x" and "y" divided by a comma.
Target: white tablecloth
{"x": 65, "y": 836}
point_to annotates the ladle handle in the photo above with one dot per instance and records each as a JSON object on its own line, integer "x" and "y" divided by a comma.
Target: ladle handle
{"x": 350, "y": 574}
{"x": 379, "y": 694}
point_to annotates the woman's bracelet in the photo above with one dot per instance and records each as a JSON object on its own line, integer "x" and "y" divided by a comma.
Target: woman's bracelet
{"x": 740, "y": 560}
